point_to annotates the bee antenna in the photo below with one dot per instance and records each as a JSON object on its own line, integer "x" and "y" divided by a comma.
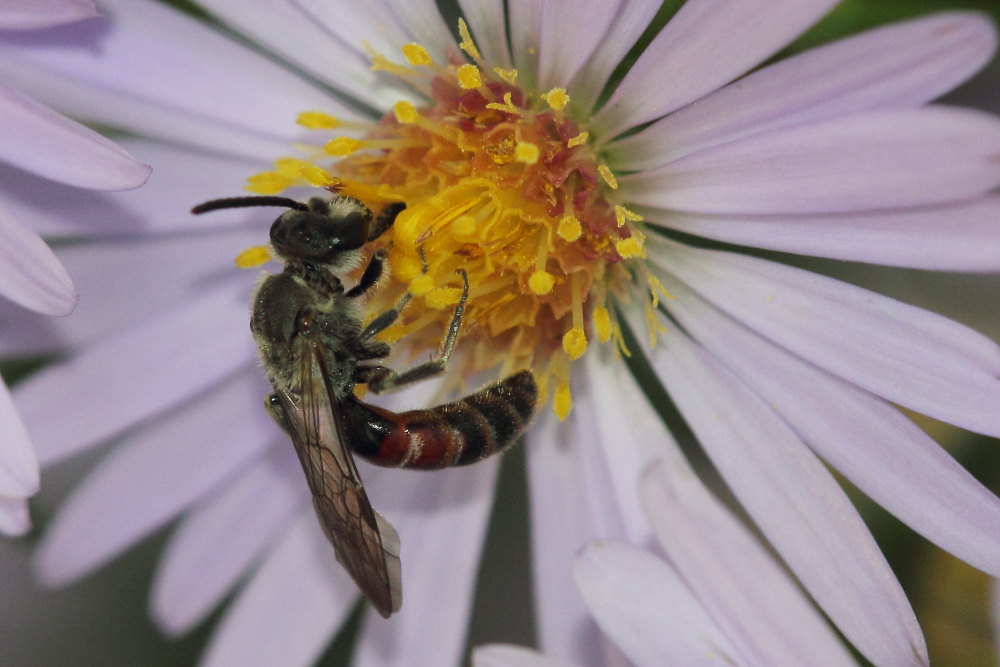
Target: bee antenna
{"x": 244, "y": 202}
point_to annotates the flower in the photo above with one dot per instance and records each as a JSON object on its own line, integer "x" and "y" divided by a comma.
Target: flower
{"x": 45, "y": 143}
{"x": 584, "y": 218}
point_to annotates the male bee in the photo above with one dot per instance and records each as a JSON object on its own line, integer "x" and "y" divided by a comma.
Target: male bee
{"x": 315, "y": 349}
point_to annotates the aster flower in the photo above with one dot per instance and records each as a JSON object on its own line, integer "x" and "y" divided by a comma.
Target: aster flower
{"x": 586, "y": 220}
{"x": 43, "y": 142}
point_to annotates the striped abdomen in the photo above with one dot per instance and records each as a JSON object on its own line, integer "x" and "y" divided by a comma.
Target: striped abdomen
{"x": 452, "y": 434}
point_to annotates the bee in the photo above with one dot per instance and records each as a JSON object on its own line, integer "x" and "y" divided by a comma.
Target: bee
{"x": 315, "y": 349}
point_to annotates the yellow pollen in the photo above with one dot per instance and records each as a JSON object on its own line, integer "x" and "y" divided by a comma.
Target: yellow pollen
{"x": 469, "y": 77}
{"x": 317, "y": 120}
{"x": 656, "y": 289}
{"x": 607, "y": 176}
{"x": 578, "y": 140}
{"x": 508, "y": 75}
{"x": 421, "y": 285}
{"x": 442, "y": 297}
{"x": 467, "y": 44}
{"x": 405, "y": 112}
{"x": 569, "y": 228}
{"x": 290, "y": 166}
{"x": 541, "y": 282}
{"x": 268, "y": 183}
{"x": 464, "y": 225}
{"x": 317, "y": 176}
{"x": 623, "y": 215}
{"x": 526, "y": 152}
{"x": 253, "y": 256}
{"x": 341, "y": 146}
{"x": 630, "y": 248}
{"x": 602, "y": 324}
{"x": 416, "y": 55}
{"x": 574, "y": 343}
{"x": 508, "y": 105}
{"x": 556, "y": 98}
{"x": 383, "y": 64}
{"x": 562, "y": 401}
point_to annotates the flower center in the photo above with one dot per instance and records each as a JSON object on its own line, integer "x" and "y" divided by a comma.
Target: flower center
{"x": 501, "y": 182}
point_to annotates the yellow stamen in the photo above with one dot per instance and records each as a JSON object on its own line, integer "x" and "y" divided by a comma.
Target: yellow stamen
{"x": 290, "y": 167}
{"x": 562, "y": 401}
{"x": 653, "y": 325}
{"x": 541, "y": 282}
{"x": 508, "y": 105}
{"x": 253, "y": 256}
{"x": 467, "y": 44}
{"x": 268, "y": 183}
{"x": 317, "y": 176}
{"x": 416, "y": 55}
{"x": 526, "y": 152}
{"x": 607, "y": 176}
{"x": 630, "y": 248}
{"x": 382, "y": 64}
{"x": 341, "y": 146}
{"x": 656, "y": 289}
{"x": 578, "y": 140}
{"x": 556, "y": 98}
{"x": 574, "y": 343}
{"x": 508, "y": 75}
{"x": 317, "y": 120}
{"x": 421, "y": 285}
{"x": 569, "y": 228}
{"x": 602, "y": 324}
{"x": 405, "y": 112}
{"x": 623, "y": 214}
{"x": 469, "y": 77}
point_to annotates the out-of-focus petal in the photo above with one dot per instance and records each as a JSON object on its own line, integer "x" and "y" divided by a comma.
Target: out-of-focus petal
{"x": 487, "y": 23}
{"x": 962, "y": 237}
{"x": 424, "y": 24}
{"x": 624, "y": 32}
{"x": 222, "y": 538}
{"x": 14, "y": 520}
{"x": 647, "y": 609}
{"x": 33, "y": 14}
{"x": 441, "y": 518}
{"x": 509, "y": 655}
{"x": 290, "y": 608}
{"x": 136, "y": 374}
{"x": 569, "y": 34}
{"x": 567, "y": 511}
{"x": 905, "y": 354}
{"x": 764, "y": 613}
{"x": 160, "y": 73}
{"x": 795, "y": 501}
{"x": 18, "y": 465}
{"x": 898, "y": 66}
{"x": 30, "y": 273}
{"x": 149, "y": 481}
{"x": 865, "y": 161}
{"x": 524, "y": 24}
{"x": 705, "y": 45}
{"x": 48, "y": 144}
{"x": 868, "y": 441}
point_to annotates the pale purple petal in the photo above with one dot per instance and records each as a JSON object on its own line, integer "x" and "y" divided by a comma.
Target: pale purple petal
{"x": 183, "y": 178}
{"x": 627, "y": 26}
{"x": 48, "y": 144}
{"x": 647, "y": 609}
{"x": 567, "y": 511}
{"x": 153, "y": 477}
{"x": 524, "y": 22}
{"x": 424, "y": 24}
{"x": 905, "y": 354}
{"x": 509, "y": 655}
{"x": 764, "y": 613}
{"x": 160, "y": 73}
{"x": 441, "y": 518}
{"x": 30, "y": 273}
{"x": 292, "y": 32}
{"x": 18, "y": 465}
{"x": 795, "y": 501}
{"x": 708, "y": 43}
{"x": 868, "y": 441}
{"x": 898, "y": 66}
{"x": 33, "y": 14}
{"x": 487, "y": 23}
{"x": 569, "y": 33}
{"x": 994, "y": 602}
{"x": 136, "y": 374}
{"x": 14, "y": 519}
{"x": 290, "y": 608}
{"x": 357, "y": 23}
{"x": 962, "y": 237}
{"x": 876, "y": 160}
{"x": 223, "y": 537}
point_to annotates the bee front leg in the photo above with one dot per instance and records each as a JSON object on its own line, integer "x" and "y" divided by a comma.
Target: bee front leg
{"x": 381, "y": 379}
{"x": 374, "y": 270}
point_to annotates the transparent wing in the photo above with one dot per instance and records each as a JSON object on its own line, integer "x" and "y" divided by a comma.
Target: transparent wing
{"x": 366, "y": 544}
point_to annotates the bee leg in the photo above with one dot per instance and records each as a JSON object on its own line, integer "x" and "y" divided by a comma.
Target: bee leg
{"x": 385, "y": 219}
{"x": 376, "y": 265}
{"x": 381, "y": 379}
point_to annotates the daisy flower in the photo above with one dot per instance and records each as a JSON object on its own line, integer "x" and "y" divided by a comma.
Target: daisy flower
{"x": 43, "y": 142}
{"x": 604, "y": 223}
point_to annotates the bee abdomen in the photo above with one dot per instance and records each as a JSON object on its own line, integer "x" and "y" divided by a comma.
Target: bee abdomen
{"x": 457, "y": 433}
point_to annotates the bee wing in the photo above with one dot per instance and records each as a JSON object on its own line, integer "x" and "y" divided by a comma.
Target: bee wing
{"x": 366, "y": 544}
